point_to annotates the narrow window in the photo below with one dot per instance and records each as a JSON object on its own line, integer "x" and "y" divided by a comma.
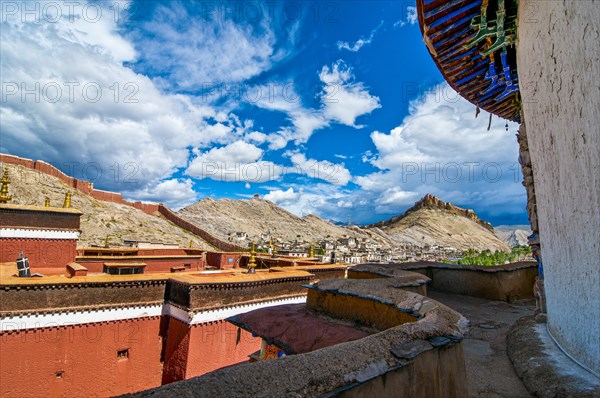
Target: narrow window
{"x": 123, "y": 354}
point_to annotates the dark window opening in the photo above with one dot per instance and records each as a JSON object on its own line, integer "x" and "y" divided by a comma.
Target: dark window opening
{"x": 123, "y": 354}
{"x": 59, "y": 374}
{"x": 187, "y": 266}
{"x": 123, "y": 270}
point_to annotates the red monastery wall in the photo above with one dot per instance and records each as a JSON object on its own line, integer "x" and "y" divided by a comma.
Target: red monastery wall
{"x": 42, "y": 253}
{"x": 221, "y": 347}
{"x": 64, "y": 365}
{"x": 32, "y": 361}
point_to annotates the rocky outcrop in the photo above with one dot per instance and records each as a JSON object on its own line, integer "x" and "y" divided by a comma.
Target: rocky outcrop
{"x": 432, "y": 202}
{"x": 433, "y": 222}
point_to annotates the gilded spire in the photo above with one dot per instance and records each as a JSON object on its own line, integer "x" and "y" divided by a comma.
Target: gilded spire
{"x": 4, "y": 196}
{"x": 106, "y": 241}
{"x": 252, "y": 261}
{"x": 47, "y": 202}
{"x": 311, "y": 251}
{"x": 275, "y": 249}
{"x": 67, "y": 203}
{"x": 191, "y": 243}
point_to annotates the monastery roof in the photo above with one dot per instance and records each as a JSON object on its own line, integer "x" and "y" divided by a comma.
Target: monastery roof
{"x": 453, "y": 33}
{"x": 8, "y": 278}
{"x": 311, "y": 330}
{"x": 11, "y": 206}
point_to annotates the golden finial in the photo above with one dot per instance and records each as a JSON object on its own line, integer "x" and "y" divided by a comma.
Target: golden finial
{"x": 106, "y": 241}
{"x": 47, "y": 202}
{"x": 4, "y": 196}
{"x": 252, "y": 262}
{"x": 311, "y": 251}
{"x": 67, "y": 203}
{"x": 191, "y": 243}
{"x": 275, "y": 249}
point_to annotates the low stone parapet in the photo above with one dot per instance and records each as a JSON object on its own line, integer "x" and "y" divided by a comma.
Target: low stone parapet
{"x": 507, "y": 282}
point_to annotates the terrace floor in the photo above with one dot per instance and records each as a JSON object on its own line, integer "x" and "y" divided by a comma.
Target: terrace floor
{"x": 489, "y": 371}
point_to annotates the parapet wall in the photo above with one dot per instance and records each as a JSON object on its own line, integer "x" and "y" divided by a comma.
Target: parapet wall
{"x": 508, "y": 282}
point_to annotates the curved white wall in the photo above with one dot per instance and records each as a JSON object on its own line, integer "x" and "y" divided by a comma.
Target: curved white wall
{"x": 559, "y": 75}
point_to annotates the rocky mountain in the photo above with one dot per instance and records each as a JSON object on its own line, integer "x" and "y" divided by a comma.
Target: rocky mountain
{"x": 434, "y": 222}
{"x": 120, "y": 222}
{"x": 513, "y": 235}
{"x": 255, "y": 217}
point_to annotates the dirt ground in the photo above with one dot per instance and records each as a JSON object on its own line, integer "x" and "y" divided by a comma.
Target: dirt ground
{"x": 489, "y": 371}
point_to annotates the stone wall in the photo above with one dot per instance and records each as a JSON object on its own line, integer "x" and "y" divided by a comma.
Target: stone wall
{"x": 193, "y": 228}
{"x": 507, "y": 282}
{"x": 559, "y": 68}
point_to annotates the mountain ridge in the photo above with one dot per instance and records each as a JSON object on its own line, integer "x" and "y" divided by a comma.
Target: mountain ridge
{"x": 433, "y": 202}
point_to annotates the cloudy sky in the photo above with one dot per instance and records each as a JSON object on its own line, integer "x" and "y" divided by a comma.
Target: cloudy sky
{"x": 330, "y": 108}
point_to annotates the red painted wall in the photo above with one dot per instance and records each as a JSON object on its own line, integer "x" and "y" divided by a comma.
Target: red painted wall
{"x": 223, "y": 260}
{"x": 176, "y": 350}
{"x": 87, "y": 354}
{"x": 220, "y": 347}
{"x": 42, "y": 253}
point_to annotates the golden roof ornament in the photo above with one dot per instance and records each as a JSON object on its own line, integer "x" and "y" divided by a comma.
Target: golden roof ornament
{"x": 311, "y": 251}
{"x": 67, "y": 203}
{"x": 191, "y": 243}
{"x": 106, "y": 241}
{"x": 47, "y": 202}
{"x": 4, "y": 196}
{"x": 274, "y": 249}
{"x": 252, "y": 262}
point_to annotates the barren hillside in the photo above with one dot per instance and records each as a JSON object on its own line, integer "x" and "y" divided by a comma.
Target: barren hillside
{"x": 225, "y": 217}
{"x": 99, "y": 218}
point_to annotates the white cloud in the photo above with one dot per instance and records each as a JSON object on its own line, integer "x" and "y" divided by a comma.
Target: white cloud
{"x": 175, "y": 193}
{"x": 238, "y": 161}
{"x": 200, "y": 50}
{"x": 282, "y": 198}
{"x": 345, "y": 100}
{"x": 87, "y": 107}
{"x": 342, "y": 100}
{"x": 357, "y": 45}
{"x": 411, "y": 17}
{"x": 441, "y": 148}
{"x": 256, "y": 136}
{"x": 322, "y": 170}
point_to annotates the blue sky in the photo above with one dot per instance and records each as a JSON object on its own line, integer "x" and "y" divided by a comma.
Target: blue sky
{"x": 329, "y": 108}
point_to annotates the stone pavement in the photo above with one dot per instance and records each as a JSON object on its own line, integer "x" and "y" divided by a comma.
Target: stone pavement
{"x": 490, "y": 373}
